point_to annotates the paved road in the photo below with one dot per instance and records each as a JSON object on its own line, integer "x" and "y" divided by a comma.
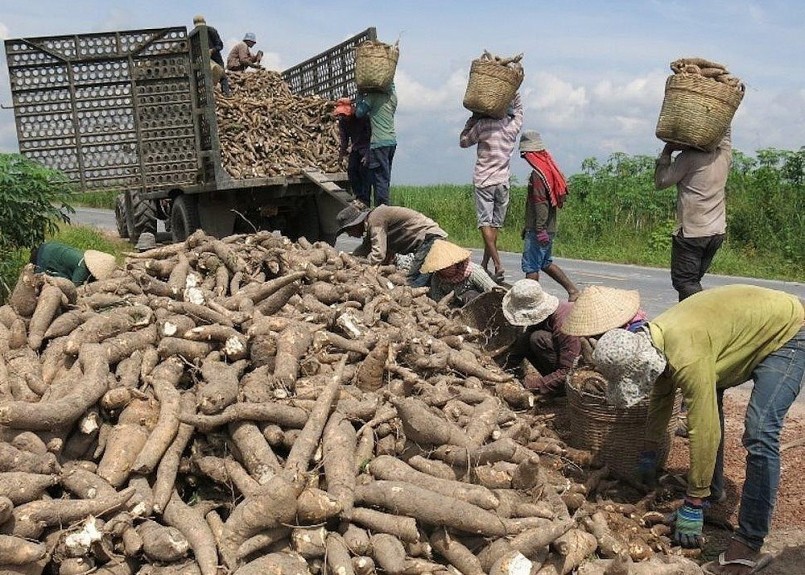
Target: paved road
{"x": 654, "y": 284}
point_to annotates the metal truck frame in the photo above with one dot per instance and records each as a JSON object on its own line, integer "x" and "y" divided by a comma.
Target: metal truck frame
{"x": 135, "y": 111}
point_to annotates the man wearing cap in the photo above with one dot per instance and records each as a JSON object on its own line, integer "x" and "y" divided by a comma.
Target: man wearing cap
{"x": 543, "y": 343}
{"x": 452, "y": 271}
{"x": 240, "y": 56}
{"x": 701, "y": 222}
{"x": 547, "y": 189}
{"x": 354, "y": 134}
{"x": 216, "y": 45}
{"x": 495, "y": 141}
{"x": 712, "y": 341}
{"x": 60, "y": 260}
{"x": 380, "y": 108}
{"x": 391, "y": 230}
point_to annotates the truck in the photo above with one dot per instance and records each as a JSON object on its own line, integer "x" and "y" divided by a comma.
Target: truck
{"x": 134, "y": 111}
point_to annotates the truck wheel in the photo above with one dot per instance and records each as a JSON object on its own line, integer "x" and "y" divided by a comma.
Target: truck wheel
{"x": 120, "y": 216}
{"x": 184, "y": 218}
{"x": 143, "y": 217}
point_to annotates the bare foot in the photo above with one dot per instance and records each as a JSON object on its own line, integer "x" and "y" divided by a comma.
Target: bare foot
{"x": 572, "y": 295}
{"x": 736, "y": 550}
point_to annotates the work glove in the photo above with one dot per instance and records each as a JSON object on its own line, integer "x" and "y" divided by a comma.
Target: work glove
{"x": 647, "y": 468}
{"x": 543, "y": 237}
{"x": 688, "y": 525}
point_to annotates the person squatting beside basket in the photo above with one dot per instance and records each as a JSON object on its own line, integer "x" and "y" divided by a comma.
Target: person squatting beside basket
{"x": 388, "y": 231}
{"x": 495, "y": 141}
{"x": 701, "y": 221}
{"x": 551, "y": 351}
{"x": 354, "y": 134}
{"x": 380, "y": 108}
{"x": 547, "y": 189}
{"x": 452, "y": 271}
{"x": 709, "y": 342}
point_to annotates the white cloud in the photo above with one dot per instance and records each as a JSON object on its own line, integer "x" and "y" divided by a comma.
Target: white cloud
{"x": 558, "y": 102}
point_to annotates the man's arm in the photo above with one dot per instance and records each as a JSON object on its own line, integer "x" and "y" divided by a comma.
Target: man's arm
{"x": 660, "y": 409}
{"x": 469, "y": 135}
{"x": 569, "y": 349}
{"x": 668, "y": 172}
{"x": 379, "y": 241}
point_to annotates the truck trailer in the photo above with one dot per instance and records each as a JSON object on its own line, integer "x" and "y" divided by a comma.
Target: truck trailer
{"x": 134, "y": 111}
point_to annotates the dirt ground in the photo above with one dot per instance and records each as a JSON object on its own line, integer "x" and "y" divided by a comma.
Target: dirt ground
{"x": 787, "y": 539}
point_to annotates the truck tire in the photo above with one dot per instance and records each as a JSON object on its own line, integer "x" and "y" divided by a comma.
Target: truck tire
{"x": 143, "y": 217}
{"x": 120, "y": 216}
{"x": 184, "y": 217}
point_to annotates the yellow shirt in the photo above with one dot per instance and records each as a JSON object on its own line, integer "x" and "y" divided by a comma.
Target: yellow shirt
{"x": 713, "y": 340}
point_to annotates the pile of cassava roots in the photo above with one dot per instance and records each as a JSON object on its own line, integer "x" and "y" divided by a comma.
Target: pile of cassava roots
{"x": 255, "y": 406}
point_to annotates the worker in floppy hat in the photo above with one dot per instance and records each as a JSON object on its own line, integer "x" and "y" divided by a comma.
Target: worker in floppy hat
{"x": 452, "y": 271}
{"x": 240, "y": 57}
{"x": 391, "y": 230}
{"x": 60, "y": 260}
{"x": 354, "y": 134}
{"x": 711, "y": 341}
{"x": 547, "y": 189}
{"x": 549, "y": 350}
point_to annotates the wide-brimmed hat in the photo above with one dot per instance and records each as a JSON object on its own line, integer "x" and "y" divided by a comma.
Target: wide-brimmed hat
{"x": 630, "y": 363}
{"x": 250, "y": 37}
{"x": 350, "y": 216}
{"x": 531, "y": 141}
{"x": 599, "y": 309}
{"x": 100, "y": 264}
{"x": 526, "y": 304}
{"x": 146, "y": 241}
{"x": 343, "y": 107}
{"x": 443, "y": 254}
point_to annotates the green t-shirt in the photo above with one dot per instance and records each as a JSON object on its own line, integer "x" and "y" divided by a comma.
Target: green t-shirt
{"x": 714, "y": 340}
{"x": 60, "y": 260}
{"x": 380, "y": 107}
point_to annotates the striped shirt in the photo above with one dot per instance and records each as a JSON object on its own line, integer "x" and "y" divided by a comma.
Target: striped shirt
{"x": 495, "y": 140}
{"x": 478, "y": 280}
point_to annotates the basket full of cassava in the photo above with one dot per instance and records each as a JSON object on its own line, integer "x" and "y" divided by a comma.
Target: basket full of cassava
{"x": 492, "y": 84}
{"x": 613, "y": 434}
{"x": 375, "y": 65}
{"x": 701, "y": 98}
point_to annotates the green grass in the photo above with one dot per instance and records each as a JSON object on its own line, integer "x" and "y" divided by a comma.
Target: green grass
{"x": 104, "y": 200}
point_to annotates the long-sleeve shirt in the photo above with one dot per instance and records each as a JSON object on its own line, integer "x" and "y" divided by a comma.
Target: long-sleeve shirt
{"x": 354, "y": 132}
{"x": 380, "y": 107}
{"x": 567, "y": 347}
{"x": 240, "y": 57}
{"x": 700, "y": 179}
{"x": 478, "y": 280}
{"x": 60, "y": 260}
{"x": 495, "y": 140}
{"x": 540, "y": 214}
{"x": 395, "y": 230}
{"x": 714, "y": 340}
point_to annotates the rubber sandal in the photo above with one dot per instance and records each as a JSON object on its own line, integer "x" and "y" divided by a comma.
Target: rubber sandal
{"x": 763, "y": 561}
{"x": 499, "y": 276}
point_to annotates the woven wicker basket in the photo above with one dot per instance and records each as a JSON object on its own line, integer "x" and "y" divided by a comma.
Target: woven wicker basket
{"x": 375, "y": 65}
{"x": 491, "y": 87}
{"x": 697, "y": 111}
{"x": 614, "y": 435}
{"x": 485, "y": 313}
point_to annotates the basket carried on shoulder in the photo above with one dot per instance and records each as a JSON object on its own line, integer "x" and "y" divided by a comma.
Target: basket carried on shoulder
{"x": 613, "y": 434}
{"x": 697, "y": 111}
{"x": 485, "y": 313}
{"x": 375, "y": 65}
{"x": 492, "y": 86}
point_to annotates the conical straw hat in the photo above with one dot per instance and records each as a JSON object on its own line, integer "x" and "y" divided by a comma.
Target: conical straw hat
{"x": 100, "y": 264}
{"x": 443, "y": 254}
{"x": 599, "y": 309}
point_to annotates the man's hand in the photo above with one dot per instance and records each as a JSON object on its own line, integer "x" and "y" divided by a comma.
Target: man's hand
{"x": 543, "y": 237}
{"x": 647, "y": 468}
{"x": 688, "y": 524}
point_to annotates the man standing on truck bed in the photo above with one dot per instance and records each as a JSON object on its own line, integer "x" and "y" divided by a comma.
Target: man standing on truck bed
{"x": 380, "y": 107}
{"x": 240, "y": 56}
{"x": 216, "y": 45}
{"x": 354, "y": 135}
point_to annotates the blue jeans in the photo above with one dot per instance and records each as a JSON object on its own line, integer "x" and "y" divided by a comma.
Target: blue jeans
{"x": 536, "y": 257}
{"x": 380, "y": 160}
{"x": 778, "y": 380}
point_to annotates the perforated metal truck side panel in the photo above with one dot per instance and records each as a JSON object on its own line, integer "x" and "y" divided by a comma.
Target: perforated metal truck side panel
{"x": 110, "y": 110}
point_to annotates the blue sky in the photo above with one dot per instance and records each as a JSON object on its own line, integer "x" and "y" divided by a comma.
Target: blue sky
{"x": 594, "y": 70}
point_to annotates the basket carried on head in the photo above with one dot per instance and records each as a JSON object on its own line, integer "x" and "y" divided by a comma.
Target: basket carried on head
{"x": 613, "y": 434}
{"x": 492, "y": 85}
{"x": 485, "y": 313}
{"x": 699, "y": 104}
{"x": 375, "y": 65}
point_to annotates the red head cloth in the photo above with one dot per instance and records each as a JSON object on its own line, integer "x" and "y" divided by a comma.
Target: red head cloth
{"x": 550, "y": 174}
